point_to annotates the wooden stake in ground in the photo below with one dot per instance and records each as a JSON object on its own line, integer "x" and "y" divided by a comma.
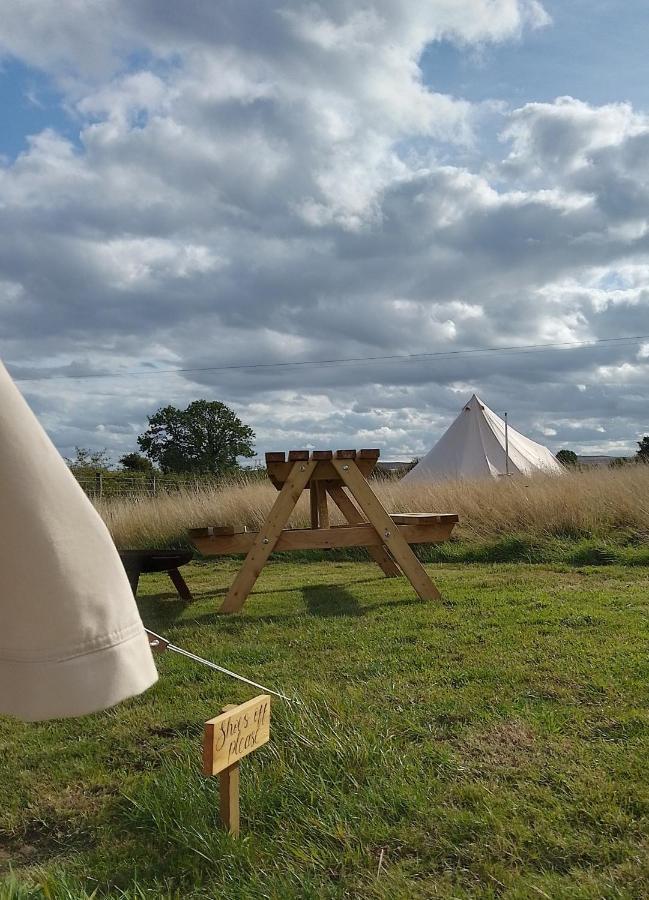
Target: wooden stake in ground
{"x": 227, "y": 739}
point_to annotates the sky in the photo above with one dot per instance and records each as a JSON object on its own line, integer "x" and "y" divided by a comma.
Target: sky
{"x": 332, "y": 216}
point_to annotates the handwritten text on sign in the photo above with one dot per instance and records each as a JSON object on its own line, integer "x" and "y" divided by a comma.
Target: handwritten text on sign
{"x": 236, "y": 733}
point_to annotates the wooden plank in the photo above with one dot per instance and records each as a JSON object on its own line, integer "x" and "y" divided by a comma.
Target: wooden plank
{"x": 318, "y": 507}
{"x": 266, "y": 539}
{"x": 321, "y": 499}
{"x": 229, "y": 783}
{"x": 322, "y": 454}
{"x": 275, "y": 458}
{"x": 279, "y": 472}
{"x": 337, "y": 536}
{"x": 235, "y": 733}
{"x": 157, "y": 643}
{"x": 389, "y": 532}
{"x": 229, "y": 810}
{"x": 368, "y": 454}
{"x": 313, "y": 504}
{"x": 345, "y": 454}
{"x": 298, "y": 455}
{"x": 423, "y": 518}
{"x": 380, "y": 555}
{"x": 363, "y": 535}
{"x": 226, "y": 528}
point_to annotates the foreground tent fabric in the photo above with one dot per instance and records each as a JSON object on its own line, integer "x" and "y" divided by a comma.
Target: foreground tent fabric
{"x": 71, "y": 638}
{"x": 474, "y": 447}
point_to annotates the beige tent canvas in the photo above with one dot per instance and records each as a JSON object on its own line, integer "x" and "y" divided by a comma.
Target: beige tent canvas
{"x": 475, "y": 446}
{"x": 71, "y": 638}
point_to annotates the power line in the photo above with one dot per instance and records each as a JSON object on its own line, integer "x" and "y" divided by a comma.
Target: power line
{"x": 325, "y": 363}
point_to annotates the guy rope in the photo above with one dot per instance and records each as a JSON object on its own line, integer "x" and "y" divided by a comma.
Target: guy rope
{"x": 160, "y": 644}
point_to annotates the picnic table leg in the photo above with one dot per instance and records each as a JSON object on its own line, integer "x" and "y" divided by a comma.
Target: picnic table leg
{"x": 323, "y": 509}
{"x": 180, "y": 584}
{"x": 267, "y": 536}
{"x": 133, "y": 575}
{"x": 385, "y": 527}
{"x": 313, "y": 504}
{"x": 318, "y": 504}
{"x": 380, "y": 555}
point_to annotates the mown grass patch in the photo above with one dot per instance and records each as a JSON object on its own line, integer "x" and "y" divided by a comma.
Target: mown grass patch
{"x": 495, "y": 745}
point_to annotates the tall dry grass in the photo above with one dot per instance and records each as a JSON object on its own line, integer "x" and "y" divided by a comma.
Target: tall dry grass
{"x": 595, "y": 503}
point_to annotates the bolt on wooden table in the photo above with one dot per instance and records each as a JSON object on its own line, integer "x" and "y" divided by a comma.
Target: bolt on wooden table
{"x": 326, "y": 473}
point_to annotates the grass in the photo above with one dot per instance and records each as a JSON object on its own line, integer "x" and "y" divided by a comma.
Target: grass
{"x": 608, "y": 508}
{"x": 495, "y": 745}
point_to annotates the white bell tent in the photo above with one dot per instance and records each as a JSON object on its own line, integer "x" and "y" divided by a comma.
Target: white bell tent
{"x": 478, "y": 444}
{"x": 72, "y": 641}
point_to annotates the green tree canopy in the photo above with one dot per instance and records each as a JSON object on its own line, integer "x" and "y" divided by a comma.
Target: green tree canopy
{"x": 642, "y": 455}
{"x": 135, "y": 462}
{"x": 89, "y": 459}
{"x": 206, "y": 437}
{"x": 567, "y": 457}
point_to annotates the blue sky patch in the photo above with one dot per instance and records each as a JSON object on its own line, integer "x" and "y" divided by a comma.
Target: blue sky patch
{"x": 29, "y": 104}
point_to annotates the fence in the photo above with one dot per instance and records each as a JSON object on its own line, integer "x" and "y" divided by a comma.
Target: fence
{"x": 103, "y": 483}
{"x": 100, "y": 485}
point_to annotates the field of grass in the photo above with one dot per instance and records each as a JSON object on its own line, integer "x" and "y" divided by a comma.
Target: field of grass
{"x": 495, "y": 745}
{"x": 592, "y": 516}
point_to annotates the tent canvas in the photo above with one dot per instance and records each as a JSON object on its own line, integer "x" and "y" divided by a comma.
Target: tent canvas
{"x": 474, "y": 447}
{"x": 72, "y": 641}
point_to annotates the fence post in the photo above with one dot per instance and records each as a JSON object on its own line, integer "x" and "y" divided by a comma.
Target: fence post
{"x": 153, "y": 485}
{"x": 99, "y": 485}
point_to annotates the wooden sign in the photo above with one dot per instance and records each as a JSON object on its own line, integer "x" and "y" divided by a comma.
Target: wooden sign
{"x": 235, "y": 733}
{"x": 228, "y": 738}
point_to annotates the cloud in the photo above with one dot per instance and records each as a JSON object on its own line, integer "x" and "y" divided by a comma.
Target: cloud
{"x": 557, "y": 139}
{"x": 271, "y": 183}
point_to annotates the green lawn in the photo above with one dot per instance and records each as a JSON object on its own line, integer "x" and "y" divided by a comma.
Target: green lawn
{"x": 493, "y": 746}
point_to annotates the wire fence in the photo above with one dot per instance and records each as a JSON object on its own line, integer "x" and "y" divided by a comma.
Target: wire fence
{"x": 101, "y": 485}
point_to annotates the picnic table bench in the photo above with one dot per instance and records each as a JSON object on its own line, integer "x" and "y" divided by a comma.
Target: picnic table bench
{"x": 326, "y": 474}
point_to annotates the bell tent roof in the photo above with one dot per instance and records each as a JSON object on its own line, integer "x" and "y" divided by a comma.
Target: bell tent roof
{"x": 474, "y": 447}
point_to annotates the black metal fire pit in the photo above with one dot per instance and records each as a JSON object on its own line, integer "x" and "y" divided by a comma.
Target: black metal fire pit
{"x": 137, "y": 561}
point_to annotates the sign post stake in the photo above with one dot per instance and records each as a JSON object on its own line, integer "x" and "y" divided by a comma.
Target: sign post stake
{"x": 227, "y": 738}
{"x": 229, "y": 799}
{"x": 229, "y": 792}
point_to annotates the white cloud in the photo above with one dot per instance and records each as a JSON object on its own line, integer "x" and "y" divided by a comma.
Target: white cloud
{"x": 276, "y": 193}
{"x": 129, "y": 264}
{"x": 561, "y": 137}
{"x": 127, "y": 98}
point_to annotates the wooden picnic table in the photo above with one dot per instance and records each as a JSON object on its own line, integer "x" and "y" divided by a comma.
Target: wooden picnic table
{"x": 341, "y": 476}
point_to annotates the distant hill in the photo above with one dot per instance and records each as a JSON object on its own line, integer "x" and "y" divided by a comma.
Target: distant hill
{"x": 400, "y": 467}
{"x": 598, "y": 460}
{"x": 394, "y": 467}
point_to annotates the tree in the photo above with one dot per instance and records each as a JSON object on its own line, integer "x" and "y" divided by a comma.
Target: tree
{"x": 135, "y": 462}
{"x": 642, "y": 455}
{"x": 89, "y": 459}
{"x": 567, "y": 458}
{"x": 207, "y": 437}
